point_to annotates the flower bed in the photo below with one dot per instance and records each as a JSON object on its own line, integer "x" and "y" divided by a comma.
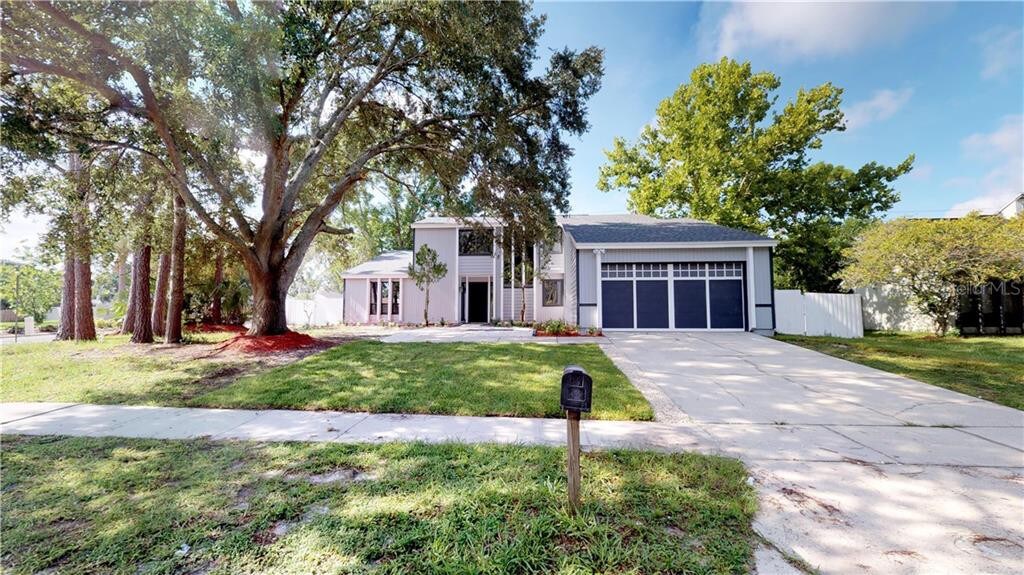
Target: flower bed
{"x": 559, "y": 328}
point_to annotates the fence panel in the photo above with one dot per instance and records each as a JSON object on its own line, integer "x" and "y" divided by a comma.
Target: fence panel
{"x": 323, "y": 309}
{"x": 834, "y": 314}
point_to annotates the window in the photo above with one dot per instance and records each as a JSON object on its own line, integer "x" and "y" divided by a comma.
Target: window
{"x": 373, "y": 298}
{"x": 726, "y": 270}
{"x": 616, "y": 270}
{"x": 476, "y": 242}
{"x": 551, "y": 293}
{"x": 394, "y": 297}
{"x": 652, "y": 270}
{"x": 689, "y": 270}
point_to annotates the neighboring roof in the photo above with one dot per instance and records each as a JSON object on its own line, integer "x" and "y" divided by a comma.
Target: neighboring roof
{"x": 1016, "y": 206}
{"x": 387, "y": 264}
{"x": 445, "y": 222}
{"x": 640, "y": 229}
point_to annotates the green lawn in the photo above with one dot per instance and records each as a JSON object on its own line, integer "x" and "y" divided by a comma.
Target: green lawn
{"x": 109, "y": 370}
{"x": 991, "y": 368}
{"x": 88, "y": 505}
{"x": 443, "y": 378}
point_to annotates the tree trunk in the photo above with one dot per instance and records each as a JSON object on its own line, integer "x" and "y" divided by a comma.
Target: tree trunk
{"x": 218, "y": 279}
{"x": 176, "y": 301}
{"x": 426, "y": 307}
{"x": 160, "y": 297}
{"x": 85, "y": 327}
{"x": 128, "y": 323}
{"x": 66, "y": 329}
{"x": 268, "y": 303}
{"x": 142, "y": 323}
{"x": 120, "y": 270}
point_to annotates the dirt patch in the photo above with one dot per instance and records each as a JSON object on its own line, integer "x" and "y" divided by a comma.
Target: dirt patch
{"x": 242, "y": 498}
{"x": 343, "y": 475}
{"x": 281, "y": 528}
{"x": 214, "y": 328}
{"x": 878, "y": 470}
{"x": 805, "y": 501}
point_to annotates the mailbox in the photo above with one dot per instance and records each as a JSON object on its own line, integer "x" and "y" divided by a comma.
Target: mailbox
{"x": 576, "y": 389}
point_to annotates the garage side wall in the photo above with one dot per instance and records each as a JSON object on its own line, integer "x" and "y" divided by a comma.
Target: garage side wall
{"x": 763, "y": 290}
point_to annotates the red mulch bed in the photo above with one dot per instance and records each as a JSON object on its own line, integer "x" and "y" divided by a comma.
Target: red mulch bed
{"x": 539, "y": 333}
{"x": 272, "y": 343}
{"x": 213, "y": 328}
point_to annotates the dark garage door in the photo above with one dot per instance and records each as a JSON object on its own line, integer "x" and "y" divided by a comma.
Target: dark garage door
{"x": 652, "y": 304}
{"x": 726, "y": 299}
{"x": 617, "y": 304}
{"x": 691, "y": 304}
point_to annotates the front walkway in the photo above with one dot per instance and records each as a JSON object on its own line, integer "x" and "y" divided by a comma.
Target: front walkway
{"x": 479, "y": 333}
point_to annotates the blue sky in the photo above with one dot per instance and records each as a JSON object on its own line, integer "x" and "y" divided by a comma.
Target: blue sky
{"x": 939, "y": 80}
{"x": 942, "y": 81}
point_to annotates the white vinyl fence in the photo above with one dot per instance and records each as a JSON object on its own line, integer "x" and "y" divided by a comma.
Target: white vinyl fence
{"x": 323, "y": 309}
{"x": 835, "y": 314}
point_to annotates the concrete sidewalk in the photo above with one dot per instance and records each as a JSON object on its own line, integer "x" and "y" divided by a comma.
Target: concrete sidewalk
{"x": 86, "y": 420}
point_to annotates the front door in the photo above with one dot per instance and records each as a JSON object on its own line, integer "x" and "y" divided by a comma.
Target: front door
{"x": 477, "y": 302}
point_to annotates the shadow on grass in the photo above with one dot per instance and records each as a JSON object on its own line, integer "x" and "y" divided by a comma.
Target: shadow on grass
{"x": 87, "y": 505}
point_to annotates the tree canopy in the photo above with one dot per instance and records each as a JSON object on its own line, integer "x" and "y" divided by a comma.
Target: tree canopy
{"x": 320, "y": 95}
{"x": 934, "y": 260}
{"x": 723, "y": 149}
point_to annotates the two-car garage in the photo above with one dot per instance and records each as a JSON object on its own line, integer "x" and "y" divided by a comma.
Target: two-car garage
{"x": 681, "y": 296}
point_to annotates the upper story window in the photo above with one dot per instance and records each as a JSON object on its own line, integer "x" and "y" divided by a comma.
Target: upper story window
{"x": 476, "y": 242}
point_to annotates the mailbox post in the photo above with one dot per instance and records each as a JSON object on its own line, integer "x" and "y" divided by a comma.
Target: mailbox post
{"x": 577, "y": 388}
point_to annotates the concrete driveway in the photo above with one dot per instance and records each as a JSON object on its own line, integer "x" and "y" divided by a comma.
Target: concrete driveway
{"x": 858, "y": 470}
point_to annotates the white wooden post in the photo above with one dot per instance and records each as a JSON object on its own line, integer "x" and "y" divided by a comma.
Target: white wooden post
{"x": 751, "y": 301}
{"x": 597, "y": 274}
{"x": 456, "y": 319}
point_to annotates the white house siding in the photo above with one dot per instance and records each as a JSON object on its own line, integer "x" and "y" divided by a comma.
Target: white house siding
{"x": 444, "y": 293}
{"x": 512, "y": 313}
{"x": 356, "y": 300}
{"x": 476, "y": 266}
{"x": 675, "y": 255}
{"x": 588, "y": 287}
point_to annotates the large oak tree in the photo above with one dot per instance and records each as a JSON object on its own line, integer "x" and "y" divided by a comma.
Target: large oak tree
{"x": 722, "y": 148}
{"x": 321, "y": 95}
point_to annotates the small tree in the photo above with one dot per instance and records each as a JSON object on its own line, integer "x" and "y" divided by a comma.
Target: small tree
{"x": 933, "y": 260}
{"x": 425, "y": 270}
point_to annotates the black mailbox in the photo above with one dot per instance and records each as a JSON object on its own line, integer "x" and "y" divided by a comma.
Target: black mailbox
{"x": 576, "y": 389}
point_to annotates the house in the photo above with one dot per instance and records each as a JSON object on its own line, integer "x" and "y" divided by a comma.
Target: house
{"x": 608, "y": 271}
{"x": 996, "y": 308}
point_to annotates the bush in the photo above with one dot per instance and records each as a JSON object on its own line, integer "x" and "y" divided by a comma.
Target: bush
{"x": 556, "y": 327}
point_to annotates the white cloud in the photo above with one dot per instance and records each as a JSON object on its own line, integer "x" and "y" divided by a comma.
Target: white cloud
{"x": 21, "y": 232}
{"x": 1001, "y": 51}
{"x": 1003, "y": 151}
{"x": 881, "y": 106}
{"x": 922, "y": 172}
{"x": 808, "y": 29}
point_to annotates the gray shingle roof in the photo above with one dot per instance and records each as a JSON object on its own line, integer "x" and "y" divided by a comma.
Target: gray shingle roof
{"x": 635, "y": 228}
{"x": 387, "y": 264}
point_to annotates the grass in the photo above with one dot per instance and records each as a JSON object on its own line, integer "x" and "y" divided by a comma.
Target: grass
{"x": 442, "y": 378}
{"x": 991, "y": 368}
{"x": 109, "y": 370}
{"x": 88, "y": 505}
